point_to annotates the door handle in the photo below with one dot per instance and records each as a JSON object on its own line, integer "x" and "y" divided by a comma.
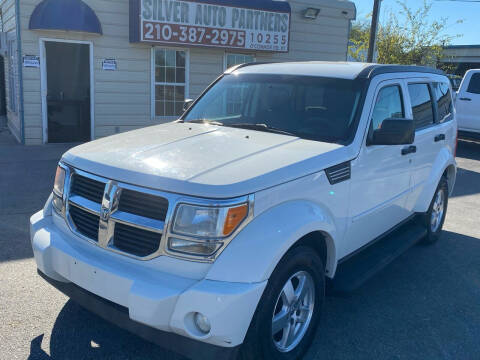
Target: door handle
{"x": 409, "y": 150}
{"x": 439, "y": 137}
{"x": 466, "y": 99}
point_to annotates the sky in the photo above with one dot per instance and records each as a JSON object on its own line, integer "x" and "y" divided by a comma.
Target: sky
{"x": 453, "y": 10}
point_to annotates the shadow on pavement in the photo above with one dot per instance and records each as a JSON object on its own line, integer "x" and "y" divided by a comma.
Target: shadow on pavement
{"x": 79, "y": 334}
{"x": 468, "y": 149}
{"x": 421, "y": 306}
{"x": 467, "y": 183}
{"x": 26, "y": 181}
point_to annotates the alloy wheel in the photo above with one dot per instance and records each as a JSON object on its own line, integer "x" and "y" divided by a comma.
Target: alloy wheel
{"x": 438, "y": 209}
{"x": 293, "y": 311}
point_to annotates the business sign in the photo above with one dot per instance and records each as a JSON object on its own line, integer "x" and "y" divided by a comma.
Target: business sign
{"x": 261, "y": 25}
{"x": 31, "y": 61}
{"x": 109, "y": 64}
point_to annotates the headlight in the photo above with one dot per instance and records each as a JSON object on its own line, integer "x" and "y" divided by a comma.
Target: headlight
{"x": 58, "y": 189}
{"x": 203, "y": 228}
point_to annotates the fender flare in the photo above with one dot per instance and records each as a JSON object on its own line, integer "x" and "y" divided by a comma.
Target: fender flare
{"x": 256, "y": 250}
{"x": 444, "y": 161}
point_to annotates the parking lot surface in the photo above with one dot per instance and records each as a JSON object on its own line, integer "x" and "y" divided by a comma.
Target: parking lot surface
{"x": 425, "y": 305}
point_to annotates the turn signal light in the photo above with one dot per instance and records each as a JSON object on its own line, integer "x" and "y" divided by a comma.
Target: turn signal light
{"x": 234, "y": 217}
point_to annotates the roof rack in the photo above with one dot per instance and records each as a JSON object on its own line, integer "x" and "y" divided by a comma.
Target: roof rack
{"x": 377, "y": 69}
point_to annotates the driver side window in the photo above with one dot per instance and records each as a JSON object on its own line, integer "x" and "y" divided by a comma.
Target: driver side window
{"x": 389, "y": 105}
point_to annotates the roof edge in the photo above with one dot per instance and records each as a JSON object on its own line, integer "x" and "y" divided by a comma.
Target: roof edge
{"x": 377, "y": 69}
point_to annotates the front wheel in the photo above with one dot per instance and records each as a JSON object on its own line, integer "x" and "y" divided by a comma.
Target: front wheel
{"x": 289, "y": 311}
{"x": 435, "y": 216}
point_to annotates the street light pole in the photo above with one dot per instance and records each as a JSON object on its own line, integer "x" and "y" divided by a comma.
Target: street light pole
{"x": 373, "y": 30}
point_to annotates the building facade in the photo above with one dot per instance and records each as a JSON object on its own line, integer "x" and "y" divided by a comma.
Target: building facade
{"x": 79, "y": 70}
{"x": 461, "y": 58}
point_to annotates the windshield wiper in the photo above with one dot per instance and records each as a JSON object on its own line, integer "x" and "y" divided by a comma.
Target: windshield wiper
{"x": 261, "y": 127}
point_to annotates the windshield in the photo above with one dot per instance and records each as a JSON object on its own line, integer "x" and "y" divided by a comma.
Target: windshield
{"x": 314, "y": 108}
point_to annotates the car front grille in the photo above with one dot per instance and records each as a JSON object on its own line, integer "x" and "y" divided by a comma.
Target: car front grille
{"x": 136, "y": 241}
{"x": 85, "y": 222}
{"x": 88, "y": 188}
{"x": 146, "y": 205}
{"x": 134, "y": 228}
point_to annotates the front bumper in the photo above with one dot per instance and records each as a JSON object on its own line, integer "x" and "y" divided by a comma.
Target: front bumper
{"x": 160, "y": 299}
{"x": 118, "y": 315}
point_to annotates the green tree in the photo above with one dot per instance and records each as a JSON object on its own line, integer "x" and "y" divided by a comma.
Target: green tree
{"x": 409, "y": 38}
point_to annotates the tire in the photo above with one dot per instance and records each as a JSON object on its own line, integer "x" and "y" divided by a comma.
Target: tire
{"x": 435, "y": 216}
{"x": 299, "y": 265}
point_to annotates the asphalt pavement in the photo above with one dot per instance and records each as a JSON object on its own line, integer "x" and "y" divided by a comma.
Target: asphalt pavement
{"x": 424, "y": 305}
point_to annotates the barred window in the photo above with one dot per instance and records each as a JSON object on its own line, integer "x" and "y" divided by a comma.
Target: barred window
{"x": 170, "y": 82}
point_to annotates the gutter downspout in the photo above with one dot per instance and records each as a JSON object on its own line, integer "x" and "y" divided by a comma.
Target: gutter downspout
{"x": 20, "y": 72}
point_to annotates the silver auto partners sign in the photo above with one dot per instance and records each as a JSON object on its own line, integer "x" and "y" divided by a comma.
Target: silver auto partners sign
{"x": 212, "y": 24}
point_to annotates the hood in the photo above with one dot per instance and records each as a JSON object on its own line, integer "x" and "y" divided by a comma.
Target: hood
{"x": 203, "y": 160}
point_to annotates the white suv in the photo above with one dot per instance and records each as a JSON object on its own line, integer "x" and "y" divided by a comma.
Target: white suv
{"x": 214, "y": 235}
{"x": 468, "y": 105}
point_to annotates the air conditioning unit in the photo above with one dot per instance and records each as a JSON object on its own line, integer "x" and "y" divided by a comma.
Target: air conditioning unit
{"x": 3, "y": 44}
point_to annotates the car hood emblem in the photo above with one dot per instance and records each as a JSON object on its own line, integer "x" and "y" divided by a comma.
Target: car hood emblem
{"x": 105, "y": 214}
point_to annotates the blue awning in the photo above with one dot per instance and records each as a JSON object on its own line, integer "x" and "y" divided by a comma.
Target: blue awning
{"x": 67, "y": 15}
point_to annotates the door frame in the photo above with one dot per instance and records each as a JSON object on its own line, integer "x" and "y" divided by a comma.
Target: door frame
{"x": 44, "y": 85}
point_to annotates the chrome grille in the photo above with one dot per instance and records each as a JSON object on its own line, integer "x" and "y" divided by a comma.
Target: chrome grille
{"x": 119, "y": 217}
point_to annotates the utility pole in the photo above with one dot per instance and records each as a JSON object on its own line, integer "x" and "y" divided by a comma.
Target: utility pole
{"x": 373, "y": 30}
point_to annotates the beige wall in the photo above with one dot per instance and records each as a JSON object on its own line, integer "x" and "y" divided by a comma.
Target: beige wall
{"x": 9, "y": 27}
{"x": 122, "y": 98}
{"x": 325, "y": 38}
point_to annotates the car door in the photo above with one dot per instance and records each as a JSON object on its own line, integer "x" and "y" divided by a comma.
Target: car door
{"x": 468, "y": 103}
{"x": 421, "y": 107}
{"x": 381, "y": 174}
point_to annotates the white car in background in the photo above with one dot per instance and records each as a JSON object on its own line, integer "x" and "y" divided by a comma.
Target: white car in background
{"x": 214, "y": 235}
{"x": 468, "y": 105}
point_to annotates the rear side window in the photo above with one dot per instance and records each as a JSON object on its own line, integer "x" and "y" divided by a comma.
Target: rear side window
{"x": 444, "y": 101}
{"x": 422, "y": 105}
{"x": 474, "y": 86}
{"x": 389, "y": 105}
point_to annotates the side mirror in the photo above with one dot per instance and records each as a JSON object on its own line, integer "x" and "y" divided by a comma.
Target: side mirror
{"x": 187, "y": 103}
{"x": 394, "y": 132}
